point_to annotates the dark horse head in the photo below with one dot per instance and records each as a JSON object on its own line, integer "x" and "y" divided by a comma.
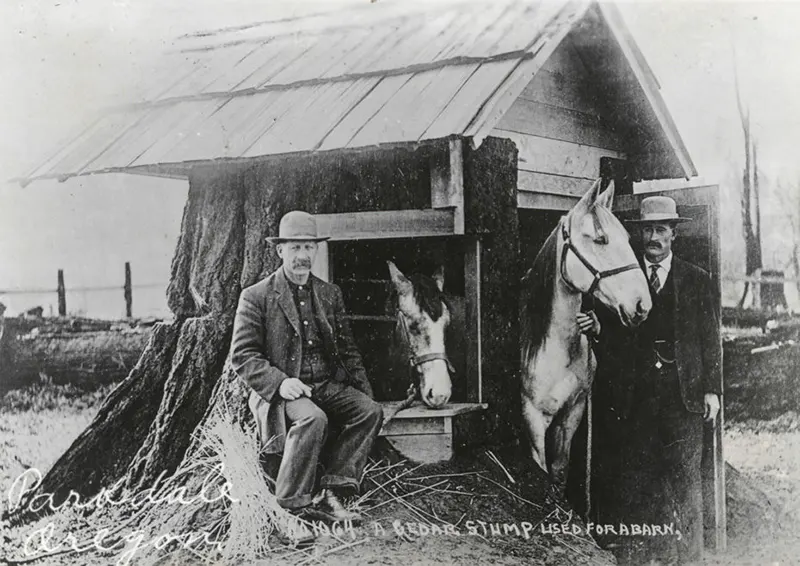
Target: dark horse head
{"x": 424, "y": 315}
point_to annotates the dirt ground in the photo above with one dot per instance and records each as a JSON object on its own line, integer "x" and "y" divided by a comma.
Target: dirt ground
{"x": 484, "y": 518}
{"x": 767, "y": 454}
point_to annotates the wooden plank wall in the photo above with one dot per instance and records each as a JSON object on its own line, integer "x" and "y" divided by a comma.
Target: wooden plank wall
{"x": 562, "y": 127}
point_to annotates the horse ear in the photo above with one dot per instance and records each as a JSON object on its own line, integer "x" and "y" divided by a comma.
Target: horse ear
{"x": 590, "y": 196}
{"x": 606, "y": 199}
{"x": 401, "y": 282}
{"x": 438, "y": 276}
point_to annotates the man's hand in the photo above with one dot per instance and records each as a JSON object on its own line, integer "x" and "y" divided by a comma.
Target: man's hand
{"x": 292, "y": 388}
{"x": 588, "y": 323}
{"x": 711, "y": 401}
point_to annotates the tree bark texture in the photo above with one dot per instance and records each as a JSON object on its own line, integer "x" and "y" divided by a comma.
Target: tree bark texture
{"x": 490, "y": 187}
{"x": 196, "y": 367}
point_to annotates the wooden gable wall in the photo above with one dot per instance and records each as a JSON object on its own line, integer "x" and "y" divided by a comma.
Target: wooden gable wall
{"x": 562, "y": 127}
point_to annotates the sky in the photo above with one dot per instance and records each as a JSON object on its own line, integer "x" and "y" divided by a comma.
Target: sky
{"x": 63, "y": 60}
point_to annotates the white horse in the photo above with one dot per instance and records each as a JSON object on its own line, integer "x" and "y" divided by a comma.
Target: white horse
{"x": 588, "y": 253}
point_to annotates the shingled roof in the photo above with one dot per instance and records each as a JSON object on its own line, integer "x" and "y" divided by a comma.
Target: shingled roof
{"x": 377, "y": 74}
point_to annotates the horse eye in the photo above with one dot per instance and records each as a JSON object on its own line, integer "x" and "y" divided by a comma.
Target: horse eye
{"x": 602, "y": 239}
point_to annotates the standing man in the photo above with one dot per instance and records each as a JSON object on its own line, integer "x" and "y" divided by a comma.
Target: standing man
{"x": 655, "y": 386}
{"x": 293, "y": 346}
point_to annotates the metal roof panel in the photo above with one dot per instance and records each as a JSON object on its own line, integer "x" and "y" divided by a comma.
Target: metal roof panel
{"x": 188, "y": 114}
{"x": 274, "y": 57}
{"x": 467, "y": 101}
{"x": 97, "y": 139}
{"x": 363, "y": 111}
{"x": 462, "y": 42}
{"x": 220, "y": 134}
{"x": 380, "y": 75}
{"x": 238, "y": 72}
{"x": 309, "y": 121}
{"x": 134, "y": 141}
{"x": 408, "y": 114}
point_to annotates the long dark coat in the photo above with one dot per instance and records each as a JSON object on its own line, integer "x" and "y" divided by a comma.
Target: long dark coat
{"x": 698, "y": 353}
{"x": 267, "y": 345}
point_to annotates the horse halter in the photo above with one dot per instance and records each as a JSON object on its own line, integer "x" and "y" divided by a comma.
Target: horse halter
{"x": 416, "y": 361}
{"x": 598, "y": 275}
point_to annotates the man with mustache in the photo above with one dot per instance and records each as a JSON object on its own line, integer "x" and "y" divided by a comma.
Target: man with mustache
{"x": 293, "y": 345}
{"x": 655, "y": 385}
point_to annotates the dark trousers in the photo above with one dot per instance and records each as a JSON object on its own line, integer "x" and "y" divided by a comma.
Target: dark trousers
{"x": 356, "y": 419}
{"x": 659, "y": 474}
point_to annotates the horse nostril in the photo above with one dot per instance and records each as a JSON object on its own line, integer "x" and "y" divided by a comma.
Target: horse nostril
{"x": 640, "y": 308}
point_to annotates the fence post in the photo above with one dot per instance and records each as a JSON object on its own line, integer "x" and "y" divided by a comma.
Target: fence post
{"x": 128, "y": 291}
{"x": 62, "y": 294}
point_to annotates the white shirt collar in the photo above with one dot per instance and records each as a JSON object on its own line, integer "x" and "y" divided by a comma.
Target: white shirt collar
{"x": 665, "y": 265}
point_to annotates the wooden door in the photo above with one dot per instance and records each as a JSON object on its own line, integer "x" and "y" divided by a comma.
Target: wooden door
{"x": 699, "y": 243}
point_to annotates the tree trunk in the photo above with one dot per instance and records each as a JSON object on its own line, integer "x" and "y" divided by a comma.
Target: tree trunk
{"x": 751, "y": 219}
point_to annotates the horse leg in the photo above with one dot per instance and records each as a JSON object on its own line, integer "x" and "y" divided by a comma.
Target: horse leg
{"x": 537, "y": 423}
{"x": 563, "y": 432}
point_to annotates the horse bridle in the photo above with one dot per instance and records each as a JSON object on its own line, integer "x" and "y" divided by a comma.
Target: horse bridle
{"x": 416, "y": 361}
{"x": 598, "y": 275}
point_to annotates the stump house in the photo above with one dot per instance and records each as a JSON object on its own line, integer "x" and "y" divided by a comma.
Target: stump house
{"x": 448, "y": 134}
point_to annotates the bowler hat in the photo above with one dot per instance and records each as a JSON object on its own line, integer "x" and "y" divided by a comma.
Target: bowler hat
{"x": 658, "y": 209}
{"x": 297, "y": 225}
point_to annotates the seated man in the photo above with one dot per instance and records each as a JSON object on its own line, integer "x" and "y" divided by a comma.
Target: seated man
{"x": 293, "y": 346}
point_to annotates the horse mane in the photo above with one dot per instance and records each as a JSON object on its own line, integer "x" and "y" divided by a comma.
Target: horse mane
{"x": 538, "y": 290}
{"x": 428, "y": 296}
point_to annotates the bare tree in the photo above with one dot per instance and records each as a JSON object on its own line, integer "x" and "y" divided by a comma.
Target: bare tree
{"x": 751, "y": 206}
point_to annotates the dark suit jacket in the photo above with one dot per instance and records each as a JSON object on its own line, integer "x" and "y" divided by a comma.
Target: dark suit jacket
{"x": 697, "y": 345}
{"x": 267, "y": 345}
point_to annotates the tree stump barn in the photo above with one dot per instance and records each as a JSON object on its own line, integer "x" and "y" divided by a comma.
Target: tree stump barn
{"x": 445, "y": 134}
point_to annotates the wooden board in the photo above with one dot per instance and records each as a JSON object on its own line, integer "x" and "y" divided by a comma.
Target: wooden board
{"x": 567, "y": 91}
{"x": 424, "y": 448}
{"x": 557, "y": 157}
{"x": 424, "y": 425}
{"x": 544, "y": 120}
{"x": 472, "y": 320}
{"x": 432, "y": 435}
{"x": 529, "y": 181}
{"x": 321, "y": 267}
{"x": 447, "y": 182}
{"x": 544, "y": 201}
{"x": 449, "y": 410}
{"x": 382, "y": 224}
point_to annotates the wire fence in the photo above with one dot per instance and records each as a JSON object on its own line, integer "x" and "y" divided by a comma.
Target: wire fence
{"x": 124, "y": 300}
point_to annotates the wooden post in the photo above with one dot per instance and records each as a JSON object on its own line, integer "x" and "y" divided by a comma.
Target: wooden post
{"x": 472, "y": 295}
{"x": 128, "y": 291}
{"x": 62, "y": 294}
{"x": 447, "y": 182}
{"x": 322, "y": 264}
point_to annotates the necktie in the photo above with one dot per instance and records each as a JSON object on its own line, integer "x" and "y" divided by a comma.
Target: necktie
{"x": 655, "y": 282}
